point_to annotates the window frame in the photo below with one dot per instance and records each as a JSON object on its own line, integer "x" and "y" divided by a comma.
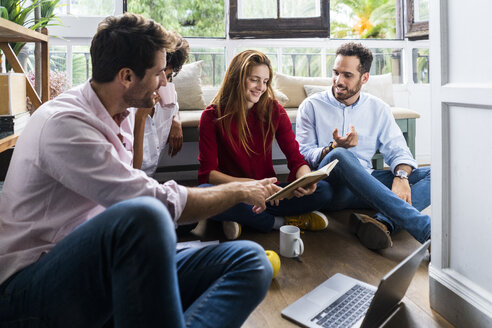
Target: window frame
{"x": 415, "y": 30}
{"x": 279, "y": 28}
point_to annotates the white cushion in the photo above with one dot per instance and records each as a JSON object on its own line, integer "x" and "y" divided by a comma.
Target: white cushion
{"x": 281, "y": 97}
{"x": 189, "y": 86}
{"x": 190, "y": 118}
{"x": 380, "y": 86}
{"x": 312, "y": 89}
{"x": 293, "y": 86}
{"x": 400, "y": 112}
{"x": 209, "y": 94}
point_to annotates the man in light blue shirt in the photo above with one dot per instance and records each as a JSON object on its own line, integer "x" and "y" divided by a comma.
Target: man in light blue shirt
{"x": 345, "y": 124}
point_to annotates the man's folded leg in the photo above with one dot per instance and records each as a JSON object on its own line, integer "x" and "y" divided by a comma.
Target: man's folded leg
{"x": 393, "y": 210}
{"x": 222, "y": 284}
{"x": 120, "y": 265}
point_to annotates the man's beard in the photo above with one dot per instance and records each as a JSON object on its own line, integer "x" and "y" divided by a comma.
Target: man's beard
{"x": 132, "y": 101}
{"x": 348, "y": 92}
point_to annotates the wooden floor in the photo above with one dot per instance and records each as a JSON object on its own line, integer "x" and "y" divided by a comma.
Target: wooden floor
{"x": 326, "y": 253}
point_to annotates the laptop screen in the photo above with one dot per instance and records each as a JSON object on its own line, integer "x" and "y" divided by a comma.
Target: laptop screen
{"x": 393, "y": 287}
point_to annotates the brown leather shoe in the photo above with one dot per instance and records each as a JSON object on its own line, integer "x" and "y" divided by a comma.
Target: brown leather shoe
{"x": 371, "y": 233}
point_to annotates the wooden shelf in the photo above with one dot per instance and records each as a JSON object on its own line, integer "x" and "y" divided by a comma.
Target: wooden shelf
{"x": 8, "y": 142}
{"x": 12, "y": 32}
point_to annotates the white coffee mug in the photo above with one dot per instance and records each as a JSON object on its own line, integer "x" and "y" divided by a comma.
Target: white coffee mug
{"x": 291, "y": 244}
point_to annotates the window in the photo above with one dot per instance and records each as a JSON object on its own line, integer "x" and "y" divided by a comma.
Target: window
{"x": 213, "y": 68}
{"x": 81, "y": 64}
{"x": 190, "y": 18}
{"x": 364, "y": 19}
{"x": 278, "y": 18}
{"x": 420, "y": 63}
{"x": 417, "y": 19}
{"x": 86, "y": 7}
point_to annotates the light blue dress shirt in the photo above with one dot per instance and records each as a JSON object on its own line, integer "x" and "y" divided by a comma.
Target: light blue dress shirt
{"x": 376, "y": 127}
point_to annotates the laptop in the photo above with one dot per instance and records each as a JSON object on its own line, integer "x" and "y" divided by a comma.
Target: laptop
{"x": 342, "y": 301}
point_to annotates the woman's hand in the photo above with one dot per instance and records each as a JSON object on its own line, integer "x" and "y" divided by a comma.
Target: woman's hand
{"x": 301, "y": 192}
{"x": 308, "y": 190}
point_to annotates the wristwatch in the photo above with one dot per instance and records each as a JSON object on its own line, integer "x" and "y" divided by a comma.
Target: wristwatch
{"x": 402, "y": 174}
{"x": 330, "y": 146}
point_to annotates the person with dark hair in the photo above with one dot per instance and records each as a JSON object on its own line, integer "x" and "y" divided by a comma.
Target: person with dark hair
{"x": 326, "y": 130}
{"x": 160, "y": 125}
{"x": 236, "y": 137}
{"x": 86, "y": 240}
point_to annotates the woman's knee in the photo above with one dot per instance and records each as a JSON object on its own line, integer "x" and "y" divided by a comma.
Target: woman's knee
{"x": 324, "y": 192}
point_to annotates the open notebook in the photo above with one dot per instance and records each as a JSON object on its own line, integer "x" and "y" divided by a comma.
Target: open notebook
{"x": 304, "y": 181}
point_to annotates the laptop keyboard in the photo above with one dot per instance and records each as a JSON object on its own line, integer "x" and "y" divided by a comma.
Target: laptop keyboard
{"x": 347, "y": 309}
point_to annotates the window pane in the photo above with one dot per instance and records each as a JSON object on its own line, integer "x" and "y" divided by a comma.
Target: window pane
{"x": 296, "y": 8}
{"x": 256, "y": 9}
{"x": 81, "y": 64}
{"x": 87, "y": 7}
{"x": 420, "y": 65}
{"x": 270, "y": 52}
{"x": 387, "y": 61}
{"x": 421, "y": 11}
{"x": 58, "y": 58}
{"x": 362, "y": 19}
{"x": 301, "y": 61}
{"x": 190, "y": 18}
{"x": 58, "y": 67}
{"x": 213, "y": 68}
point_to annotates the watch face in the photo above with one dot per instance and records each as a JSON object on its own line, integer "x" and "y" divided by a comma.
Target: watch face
{"x": 402, "y": 174}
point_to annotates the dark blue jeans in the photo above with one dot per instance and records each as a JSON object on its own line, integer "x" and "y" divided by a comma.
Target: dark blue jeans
{"x": 242, "y": 213}
{"x": 351, "y": 186}
{"x": 121, "y": 269}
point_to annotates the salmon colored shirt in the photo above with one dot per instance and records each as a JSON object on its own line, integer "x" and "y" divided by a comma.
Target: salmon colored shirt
{"x": 70, "y": 163}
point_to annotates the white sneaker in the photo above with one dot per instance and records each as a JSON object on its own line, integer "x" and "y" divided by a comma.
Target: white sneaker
{"x": 232, "y": 230}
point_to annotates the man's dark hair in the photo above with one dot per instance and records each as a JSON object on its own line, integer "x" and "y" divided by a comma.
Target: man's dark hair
{"x": 358, "y": 50}
{"x": 178, "y": 56}
{"x": 127, "y": 41}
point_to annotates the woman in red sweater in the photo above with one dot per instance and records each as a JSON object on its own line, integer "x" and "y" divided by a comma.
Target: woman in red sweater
{"x": 236, "y": 136}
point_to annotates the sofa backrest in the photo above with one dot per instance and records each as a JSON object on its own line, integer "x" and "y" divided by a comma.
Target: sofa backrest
{"x": 290, "y": 91}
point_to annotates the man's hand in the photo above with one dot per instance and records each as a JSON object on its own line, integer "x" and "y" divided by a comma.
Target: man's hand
{"x": 401, "y": 187}
{"x": 175, "y": 137}
{"x": 256, "y": 192}
{"x": 350, "y": 140}
{"x": 203, "y": 203}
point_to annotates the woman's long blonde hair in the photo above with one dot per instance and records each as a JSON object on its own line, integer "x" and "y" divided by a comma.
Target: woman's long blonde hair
{"x": 231, "y": 99}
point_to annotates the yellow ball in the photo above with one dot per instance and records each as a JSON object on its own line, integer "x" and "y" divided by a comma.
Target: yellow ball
{"x": 275, "y": 261}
